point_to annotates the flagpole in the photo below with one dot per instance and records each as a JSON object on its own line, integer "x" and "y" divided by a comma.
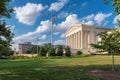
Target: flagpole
{"x": 51, "y": 30}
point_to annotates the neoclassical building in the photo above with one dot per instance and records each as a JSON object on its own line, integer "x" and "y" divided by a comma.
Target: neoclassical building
{"x": 80, "y": 36}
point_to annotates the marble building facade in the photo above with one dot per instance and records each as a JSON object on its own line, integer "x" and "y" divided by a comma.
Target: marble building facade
{"x": 80, "y": 36}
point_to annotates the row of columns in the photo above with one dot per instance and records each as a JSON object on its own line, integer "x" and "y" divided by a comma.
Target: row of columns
{"x": 80, "y": 40}
{"x": 75, "y": 40}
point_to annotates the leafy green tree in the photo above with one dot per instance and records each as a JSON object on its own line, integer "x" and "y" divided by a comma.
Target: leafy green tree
{"x": 42, "y": 51}
{"x": 35, "y": 49}
{"x": 6, "y": 51}
{"x": 110, "y": 42}
{"x": 51, "y": 51}
{"x": 59, "y": 50}
{"x": 5, "y": 32}
{"x": 47, "y": 46}
{"x": 28, "y": 52}
{"x": 67, "y": 51}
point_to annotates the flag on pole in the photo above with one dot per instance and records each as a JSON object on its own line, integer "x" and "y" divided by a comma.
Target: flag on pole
{"x": 53, "y": 18}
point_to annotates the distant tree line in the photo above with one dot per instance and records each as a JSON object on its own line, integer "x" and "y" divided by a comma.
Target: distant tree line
{"x": 50, "y": 50}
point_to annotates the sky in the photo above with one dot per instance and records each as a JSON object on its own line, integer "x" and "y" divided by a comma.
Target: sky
{"x": 31, "y": 19}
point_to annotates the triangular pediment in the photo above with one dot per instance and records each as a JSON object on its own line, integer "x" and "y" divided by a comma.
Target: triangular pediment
{"x": 72, "y": 28}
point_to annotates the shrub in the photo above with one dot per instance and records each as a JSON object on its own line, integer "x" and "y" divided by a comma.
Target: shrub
{"x": 28, "y": 52}
{"x": 51, "y": 51}
{"x": 59, "y": 50}
{"x": 79, "y": 52}
{"x": 42, "y": 51}
{"x": 67, "y": 51}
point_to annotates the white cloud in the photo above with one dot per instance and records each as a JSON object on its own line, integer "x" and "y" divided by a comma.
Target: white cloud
{"x": 63, "y": 14}
{"x": 100, "y": 17}
{"x": 57, "y": 5}
{"x": 89, "y": 23}
{"x": 116, "y": 18}
{"x": 28, "y": 13}
{"x": 106, "y": 22}
{"x": 44, "y": 27}
{"x": 56, "y": 33}
{"x": 59, "y": 42}
{"x": 62, "y": 35}
{"x": 12, "y": 28}
{"x": 43, "y": 37}
{"x": 71, "y": 19}
{"x": 89, "y": 17}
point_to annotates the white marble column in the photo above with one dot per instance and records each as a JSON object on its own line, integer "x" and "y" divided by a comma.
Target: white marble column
{"x": 89, "y": 39}
{"x": 81, "y": 39}
{"x": 72, "y": 40}
{"x": 85, "y": 39}
{"x": 77, "y": 40}
{"x": 67, "y": 40}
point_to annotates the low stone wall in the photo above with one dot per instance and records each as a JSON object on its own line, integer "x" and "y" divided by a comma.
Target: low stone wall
{"x": 28, "y": 55}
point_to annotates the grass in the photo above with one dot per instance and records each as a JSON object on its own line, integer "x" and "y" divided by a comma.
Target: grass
{"x": 74, "y": 68}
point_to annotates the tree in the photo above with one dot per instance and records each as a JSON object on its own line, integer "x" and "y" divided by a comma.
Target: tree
{"x": 35, "y": 49}
{"x": 116, "y": 4}
{"x": 28, "y": 52}
{"x": 68, "y": 51}
{"x": 47, "y": 46}
{"x": 42, "y": 51}
{"x": 5, "y": 32}
{"x": 110, "y": 42}
{"x": 51, "y": 51}
{"x": 59, "y": 50}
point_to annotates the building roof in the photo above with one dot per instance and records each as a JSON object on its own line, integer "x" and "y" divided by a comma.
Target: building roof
{"x": 78, "y": 27}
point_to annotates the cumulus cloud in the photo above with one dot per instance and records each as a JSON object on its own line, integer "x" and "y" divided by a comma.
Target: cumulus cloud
{"x": 63, "y": 14}
{"x": 116, "y": 18}
{"x": 62, "y": 35}
{"x": 71, "y": 19}
{"x": 59, "y": 42}
{"x": 43, "y": 37}
{"x": 44, "y": 27}
{"x": 100, "y": 17}
{"x": 57, "y": 5}
{"x": 28, "y": 14}
{"x": 89, "y": 17}
{"x": 89, "y": 22}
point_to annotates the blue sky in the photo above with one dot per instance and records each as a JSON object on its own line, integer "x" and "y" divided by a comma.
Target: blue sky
{"x": 32, "y": 18}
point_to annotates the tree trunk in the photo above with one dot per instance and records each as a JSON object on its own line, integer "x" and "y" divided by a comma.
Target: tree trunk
{"x": 113, "y": 65}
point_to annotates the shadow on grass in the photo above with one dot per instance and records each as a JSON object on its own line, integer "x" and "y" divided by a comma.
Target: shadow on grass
{"x": 40, "y": 70}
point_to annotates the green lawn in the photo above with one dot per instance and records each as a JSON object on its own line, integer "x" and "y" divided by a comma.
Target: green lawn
{"x": 75, "y": 68}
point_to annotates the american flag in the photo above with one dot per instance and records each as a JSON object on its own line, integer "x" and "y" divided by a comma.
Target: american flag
{"x": 53, "y": 18}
